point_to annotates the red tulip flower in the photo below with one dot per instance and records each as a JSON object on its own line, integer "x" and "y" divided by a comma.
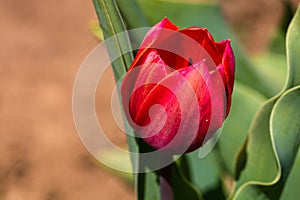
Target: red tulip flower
{"x": 177, "y": 92}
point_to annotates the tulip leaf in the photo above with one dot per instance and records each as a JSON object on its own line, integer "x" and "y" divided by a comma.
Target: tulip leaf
{"x": 245, "y": 103}
{"x": 182, "y": 187}
{"x": 285, "y": 132}
{"x": 260, "y": 166}
{"x": 148, "y": 186}
{"x": 111, "y": 24}
{"x": 285, "y": 140}
{"x": 118, "y": 47}
{"x": 132, "y": 14}
{"x": 293, "y": 51}
{"x": 134, "y": 18}
{"x": 205, "y": 173}
{"x": 273, "y": 68}
{"x": 274, "y": 137}
{"x": 291, "y": 188}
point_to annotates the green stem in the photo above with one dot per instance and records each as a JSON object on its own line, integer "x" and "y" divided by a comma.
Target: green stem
{"x": 140, "y": 186}
{"x": 165, "y": 179}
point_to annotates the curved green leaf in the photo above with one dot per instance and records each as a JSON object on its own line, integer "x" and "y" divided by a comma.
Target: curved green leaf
{"x": 182, "y": 187}
{"x": 291, "y": 188}
{"x": 285, "y": 133}
{"x": 148, "y": 186}
{"x": 274, "y": 135}
{"x": 293, "y": 51}
{"x": 285, "y": 141}
{"x": 205, "y": 173}
{"x": 272, "y": 67}
{"x": 261, "y": 166}
{"x": 245, "y": 103}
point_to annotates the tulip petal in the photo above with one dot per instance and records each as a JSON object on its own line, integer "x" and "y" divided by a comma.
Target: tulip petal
{"x": 217, "y": 94}
{"x": 209, "y": 52}
{"x": 141, "y": 79}
{"x": 227, "y": 68}
{"x": 156, "y": 34}
{"x": 189, "y": 77}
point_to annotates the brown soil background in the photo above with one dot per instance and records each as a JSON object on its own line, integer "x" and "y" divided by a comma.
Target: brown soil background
{"x": 43, "y": 44}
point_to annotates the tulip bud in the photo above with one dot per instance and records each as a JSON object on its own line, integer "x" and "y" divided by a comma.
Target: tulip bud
{"x": 177, "y": 91}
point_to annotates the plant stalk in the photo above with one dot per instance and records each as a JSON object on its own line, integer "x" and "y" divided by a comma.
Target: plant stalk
{"x": 165, "y": 179}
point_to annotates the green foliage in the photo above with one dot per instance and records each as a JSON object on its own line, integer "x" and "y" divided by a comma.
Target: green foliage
{"x": 277, "y": 126}
{"x": 148, "y": 186}
{"x": 111, "y": 23}
{"x": 245, "y": 102}
{"x": 183, "y": 188}
{"x": 278, "y": 122}
{"x": 293, "y": 51}
{"x": 258, "y": 150}
{"x": 272, "y": 66}
{"x": 207, "y": 169}
{"x": 291, "y": 188}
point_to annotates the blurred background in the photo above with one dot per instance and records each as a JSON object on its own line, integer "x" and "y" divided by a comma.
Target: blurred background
{"x": 43, "y": 44}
